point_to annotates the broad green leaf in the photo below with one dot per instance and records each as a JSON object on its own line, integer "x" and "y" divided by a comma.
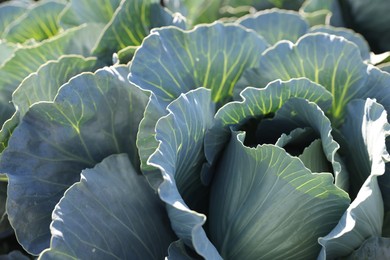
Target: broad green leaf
{"x": 172, "y": 61}
{"x": 244, "y": 218}
{"x": 43, "y": 85}
{"x": 329, "y": 60}
{"x": 373, "y": 248}
{"x": 131, "y": 22}
{"x": 366, "y": 129}
{"x": 258, "y": 103}
{"x": 6, "y": 51}
{"x": 28, "y": 59}
{"x": 180, "y": 158}
{"x": 93, "y": 116}
{"x": 111, "y": 213}
{"x": 39, "y": 23}
{"x": 79, "y": 12}
{"x": 275, "y": 25}
{"x": 9, "y": 12}
{"x": 347, "y": 34}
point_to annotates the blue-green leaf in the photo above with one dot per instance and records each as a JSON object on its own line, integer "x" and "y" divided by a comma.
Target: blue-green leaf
{"x": 244, "y": 218}
{"x": 28, "y": 59}
{"x": 180, "y": 158}
{"x": 111, "y": 213}
{"x": 43, "y": 85}
{"x": 329, "y": 60}
{"x": 38, "y": 23}
{"x": 347, "y": 34}
{"x": 93, "y": 116}
{"x": 366, "y": 129}
{"x": 172, "y": 61}
{"x": 275, "y": 25}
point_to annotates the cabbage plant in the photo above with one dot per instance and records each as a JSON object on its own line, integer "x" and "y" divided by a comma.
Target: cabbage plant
{"x": 261, "y": 138}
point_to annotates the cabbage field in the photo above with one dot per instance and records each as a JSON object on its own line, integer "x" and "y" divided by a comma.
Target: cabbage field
{"x": 195, "y": 129}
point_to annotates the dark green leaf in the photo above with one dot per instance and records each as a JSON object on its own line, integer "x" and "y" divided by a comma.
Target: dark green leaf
{"x": 93, "y": 116}
{"x": 244, "y": 218}
{"x": 180, "y": 158}
{"x": 367, "y": 128}
{"x": 112, "y": 213}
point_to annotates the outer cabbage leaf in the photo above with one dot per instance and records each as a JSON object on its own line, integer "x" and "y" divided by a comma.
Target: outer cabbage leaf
{"x": 172, "y": 61}
{"x": 93, "y": 116}
{"x": 276, "y": 25}
{"x": 366, "y": 129}
{"x": 39, "y": 23}
{"x": 74, "y": 41}
{"x": 79, "y": 12}
{"x": 329, "y": 60}
{"x": 180, "y": 158}
{"x": 131, "y": 22}
{"x": 244, "y": 218}
{"x": 43, "y": 85}
{"x": 111, "y": 213}
{"x": 347, "y": 34}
